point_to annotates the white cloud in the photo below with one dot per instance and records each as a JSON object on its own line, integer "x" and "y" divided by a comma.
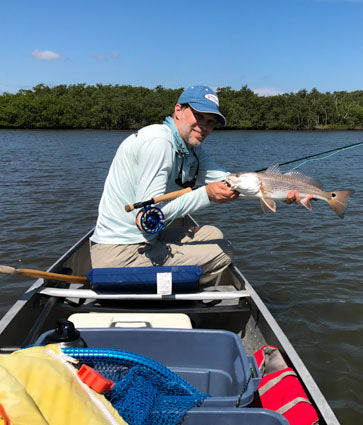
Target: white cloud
{"x": 267, "y": 91}
{"x": 106, "y": 56}
{"x": 45, "y": 55}
{"x": 99, "y": 57}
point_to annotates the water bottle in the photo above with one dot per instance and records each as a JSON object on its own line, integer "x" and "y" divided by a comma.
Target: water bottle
{"x": 65, "y": 334}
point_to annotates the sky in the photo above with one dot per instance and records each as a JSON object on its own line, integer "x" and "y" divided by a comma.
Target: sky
{"x": 272, "y": 46}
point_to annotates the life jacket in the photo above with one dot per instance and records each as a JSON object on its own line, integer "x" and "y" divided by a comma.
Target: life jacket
{"x": 40, "y": 386}
{"x": 280, "y": 389}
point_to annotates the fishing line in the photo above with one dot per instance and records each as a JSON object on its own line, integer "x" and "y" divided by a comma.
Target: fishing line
{"x": 327, "y": 156}
{"x": 307, "y": 158}
{"x": 180, "y": 205}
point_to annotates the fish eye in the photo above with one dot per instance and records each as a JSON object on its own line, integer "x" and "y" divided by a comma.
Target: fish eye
{"x": 333, "y": 195}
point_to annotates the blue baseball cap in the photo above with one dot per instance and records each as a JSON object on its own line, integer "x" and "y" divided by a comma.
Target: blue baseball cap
{"x": 202, "y": 99}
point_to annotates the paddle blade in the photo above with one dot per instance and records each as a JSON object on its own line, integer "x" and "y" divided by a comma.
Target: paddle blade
{"x": 7, "y": 270}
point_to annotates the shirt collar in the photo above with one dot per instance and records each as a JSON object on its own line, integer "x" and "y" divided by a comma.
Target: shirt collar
{"x": 179, "y": 144}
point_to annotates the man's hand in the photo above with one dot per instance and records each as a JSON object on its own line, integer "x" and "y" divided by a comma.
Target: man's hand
{"x": 293, "y": 197}
{"x": 218, "y": 192}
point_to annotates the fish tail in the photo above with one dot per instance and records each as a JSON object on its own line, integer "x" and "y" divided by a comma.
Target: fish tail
{"x": 338, "y": 201}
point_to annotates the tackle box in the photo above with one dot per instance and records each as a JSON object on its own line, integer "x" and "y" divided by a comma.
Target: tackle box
{"x": 213, "y": 361}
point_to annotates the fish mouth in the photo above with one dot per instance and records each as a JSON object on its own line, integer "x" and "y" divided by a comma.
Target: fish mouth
{"x": 228, "y": 182}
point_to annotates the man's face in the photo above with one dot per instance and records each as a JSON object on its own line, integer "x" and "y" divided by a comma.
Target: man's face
{"x": 193, "y": 126}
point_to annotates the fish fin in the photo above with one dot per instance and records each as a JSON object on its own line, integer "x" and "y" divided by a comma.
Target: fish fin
{"x": 268, "y": 204}
{"x": 273, "y": 169}
{"x": 339, "y": 200}
{"x": 307, "y": 179}
{"x": 264, "y": 207}
{"x": 306, "y": 202}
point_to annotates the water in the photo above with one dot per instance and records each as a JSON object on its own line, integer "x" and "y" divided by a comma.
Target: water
{"x": 306, "y": 265}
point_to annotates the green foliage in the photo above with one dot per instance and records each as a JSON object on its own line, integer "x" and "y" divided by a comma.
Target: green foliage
{"x": 128, "y": 107}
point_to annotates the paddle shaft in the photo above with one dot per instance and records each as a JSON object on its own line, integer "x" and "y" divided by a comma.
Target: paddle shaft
{"x": 167, "y": 197}
{"x": 43, "y": 275}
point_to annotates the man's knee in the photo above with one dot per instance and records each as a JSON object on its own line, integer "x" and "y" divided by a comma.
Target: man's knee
{"x": 208, "y": 233}
{"x": 223, "y": 252}
{"x": 227, "y": 249}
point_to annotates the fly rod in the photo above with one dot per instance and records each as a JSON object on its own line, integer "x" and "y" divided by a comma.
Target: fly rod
{"x": 176, "y": 194}
{"x": 167, "y": 197}
{"x": 314, "y": 155}
{"x": 151, "y": 219}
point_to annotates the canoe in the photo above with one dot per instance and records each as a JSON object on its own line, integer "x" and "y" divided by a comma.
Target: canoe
{"x": 231, "y": 304}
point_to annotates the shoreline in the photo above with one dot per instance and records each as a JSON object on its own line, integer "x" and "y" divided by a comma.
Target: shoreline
{"x": 315, "y": 129}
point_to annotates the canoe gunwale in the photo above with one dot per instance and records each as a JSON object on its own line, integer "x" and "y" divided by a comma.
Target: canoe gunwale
{"x": 97, "y": 295}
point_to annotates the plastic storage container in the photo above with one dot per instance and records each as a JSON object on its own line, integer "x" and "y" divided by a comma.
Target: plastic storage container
{"x": 213, "y": 361}
{"x": 131, "y": 320}
{"x": 231, "y": 416}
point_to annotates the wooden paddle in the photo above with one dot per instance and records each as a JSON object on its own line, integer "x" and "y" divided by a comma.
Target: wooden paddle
{"x": 44, "y": 275}
{"x": 167, "y": 197}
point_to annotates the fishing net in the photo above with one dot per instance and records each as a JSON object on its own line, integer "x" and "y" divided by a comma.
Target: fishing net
{"x": 145, "y": 391}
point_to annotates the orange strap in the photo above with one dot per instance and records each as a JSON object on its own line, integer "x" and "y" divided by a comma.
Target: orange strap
{"x": 4, "y": 416}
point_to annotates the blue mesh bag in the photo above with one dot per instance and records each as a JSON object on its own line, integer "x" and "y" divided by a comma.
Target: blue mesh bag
{"x": 145, "y": 391}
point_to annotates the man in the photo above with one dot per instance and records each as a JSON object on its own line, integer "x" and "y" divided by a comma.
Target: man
{"x": 159, "y": 159}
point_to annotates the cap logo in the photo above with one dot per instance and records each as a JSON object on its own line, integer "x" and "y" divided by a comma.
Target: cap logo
{"x": 212, "y": 97}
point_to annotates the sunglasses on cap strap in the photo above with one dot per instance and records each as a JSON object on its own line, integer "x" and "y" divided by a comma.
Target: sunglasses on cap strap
{"x": 190, "y": 183}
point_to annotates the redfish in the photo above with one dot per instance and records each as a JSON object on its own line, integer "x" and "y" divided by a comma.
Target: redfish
{"x": 272, "y": 185}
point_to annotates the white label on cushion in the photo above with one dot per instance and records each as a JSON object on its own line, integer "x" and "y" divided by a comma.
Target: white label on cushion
{"x": 164, "y": 283}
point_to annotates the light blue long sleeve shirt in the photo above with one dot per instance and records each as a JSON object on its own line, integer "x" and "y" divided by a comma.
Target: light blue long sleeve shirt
{"x": 145, "y": 166}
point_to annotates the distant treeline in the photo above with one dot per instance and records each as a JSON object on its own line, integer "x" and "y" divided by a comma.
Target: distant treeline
{"x": 127, "y": 107}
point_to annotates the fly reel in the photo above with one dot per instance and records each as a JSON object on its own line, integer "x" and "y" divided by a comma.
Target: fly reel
{"x": 150, "y": 220}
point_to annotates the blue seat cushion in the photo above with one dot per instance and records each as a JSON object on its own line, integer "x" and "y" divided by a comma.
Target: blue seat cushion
{"x": 185, "y": 279}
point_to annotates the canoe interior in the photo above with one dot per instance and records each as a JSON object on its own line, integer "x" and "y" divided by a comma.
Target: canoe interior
{"x": 37, "y": 313}
{"x": 34, "y": 314}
